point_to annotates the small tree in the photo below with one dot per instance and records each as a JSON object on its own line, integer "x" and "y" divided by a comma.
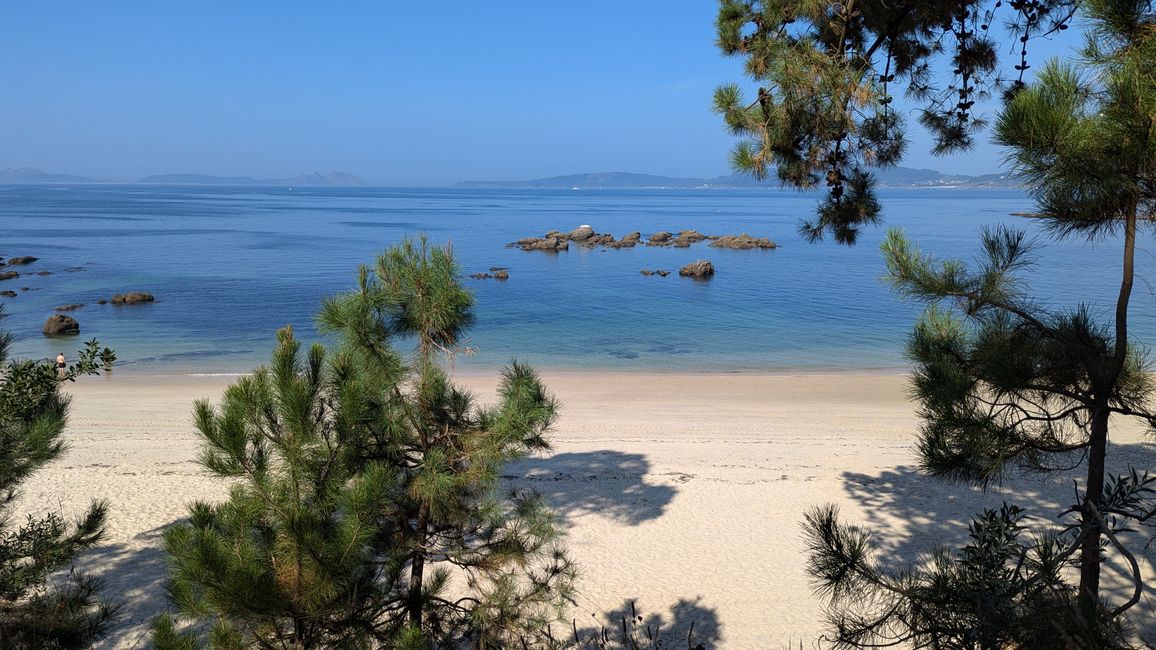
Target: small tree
{"x": 1005, "y": 384}
{"x": 368, "y": 511}
{"x": 36, "y": 611}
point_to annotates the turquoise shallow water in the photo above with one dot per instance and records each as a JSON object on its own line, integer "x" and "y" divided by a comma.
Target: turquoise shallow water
{"x": 230, "y": 265}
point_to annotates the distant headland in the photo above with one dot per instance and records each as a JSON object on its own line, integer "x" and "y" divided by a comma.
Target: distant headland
{"x": 897, "y": 177}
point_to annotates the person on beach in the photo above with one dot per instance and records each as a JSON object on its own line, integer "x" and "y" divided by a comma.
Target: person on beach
{"x": 61, "y": 364}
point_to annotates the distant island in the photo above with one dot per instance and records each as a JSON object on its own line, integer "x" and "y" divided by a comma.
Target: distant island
{"x": 896, "y": 177}
{"x": 33, "y": 176}
{"x": 332, "y": 179}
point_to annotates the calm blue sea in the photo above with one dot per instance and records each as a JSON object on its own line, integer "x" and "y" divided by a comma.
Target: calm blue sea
{"x": 230, "y": 265}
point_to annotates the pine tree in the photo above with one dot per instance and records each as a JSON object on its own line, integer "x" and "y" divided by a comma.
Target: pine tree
{"x": 368, "y": 510}
{"x": 827, "y": 73}
{"x": 37, "y": 611}
{"x": 1005, "y": 384}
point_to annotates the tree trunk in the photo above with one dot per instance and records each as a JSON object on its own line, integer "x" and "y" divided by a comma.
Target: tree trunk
{"x": 417, "y": 568}
{"x": 1089, "y": 597}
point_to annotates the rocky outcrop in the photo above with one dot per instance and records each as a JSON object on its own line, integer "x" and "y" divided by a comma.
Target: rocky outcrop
{"x": 700, "y": 270}
{"x": 72, "y": 307}
{"x": 19, "y": 261}
{"x": 499, "y": 274}
{"x": 660, "y": 238}
{"x": 743, "y": 242}
{"x": 551, "y": 244}
{"x": 658, "y": 272}
{"x": 629, "y": 241}
{"x": 581, "y": 233}
{"x": 9, "y": 275}
{"x": 132, "y": 298}
{"x": 60, "y": 324}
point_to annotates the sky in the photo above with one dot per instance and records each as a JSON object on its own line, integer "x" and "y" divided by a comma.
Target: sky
{"x": 399, "y": 93}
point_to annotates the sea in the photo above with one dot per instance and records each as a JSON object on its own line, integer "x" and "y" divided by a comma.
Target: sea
{"x": 231, "y": 265}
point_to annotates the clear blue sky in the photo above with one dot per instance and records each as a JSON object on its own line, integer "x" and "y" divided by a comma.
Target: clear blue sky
{"x": 396, "y": 92}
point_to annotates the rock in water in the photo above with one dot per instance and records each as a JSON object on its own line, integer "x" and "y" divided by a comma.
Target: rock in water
{"x": 132, "y": 298}
{"x": 743, "y": 241}
{"x": 501, "y": 274}
{"x": 581, "y": 233}
{"x": 661, "y": 238}
{"x": 72, "y": 307}
{"x": 8, "y": 294}
{"x": 700, "y": 270}
{"x": 102, "y": 301}
{"x": 16, "y": 261}
{"x": 8, "y": 275}
{"x": 60, "y": 324}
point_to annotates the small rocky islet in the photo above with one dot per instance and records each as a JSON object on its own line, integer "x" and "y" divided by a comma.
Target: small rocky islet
{"x": 586, "y": 237}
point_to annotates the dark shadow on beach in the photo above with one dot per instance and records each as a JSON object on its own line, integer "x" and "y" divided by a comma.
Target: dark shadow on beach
{"x": 931, "y": 513}
{"x": 610, "y": 483}
{"x": 685, "y": 625}
{"x": 134, "y": 575}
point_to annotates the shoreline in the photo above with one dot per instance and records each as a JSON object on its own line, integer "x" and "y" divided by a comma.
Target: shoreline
{"x": 680, "y": 492}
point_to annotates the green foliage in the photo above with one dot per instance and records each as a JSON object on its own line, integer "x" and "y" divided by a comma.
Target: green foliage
{"x": 1004, "y": 589}
{"x": 827, "y": 73}
{"x": 1005, "y": 384}
{"x": 367, "y": 509}
{"x": 35, "y": 611}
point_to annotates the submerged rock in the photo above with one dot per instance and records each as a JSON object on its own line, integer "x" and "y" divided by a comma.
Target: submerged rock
{"x": 17, "y": 261}
{"x": 102, "y": 301}
{"x": 8, "y": 294}
{"x": 700, "y": 270}
{"x": 132, "y": 298}
{"x": 501, "y": 274}
{"x": 72, "y": 307}
{"x": 60, "y": 324}
{"x": 9, "y": 275}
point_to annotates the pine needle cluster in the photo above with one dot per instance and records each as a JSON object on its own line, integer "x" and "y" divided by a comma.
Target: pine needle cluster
{"x": 827, "y": 74}
{"x": 367, "y": 508}
{"x": 1006, "y": 384}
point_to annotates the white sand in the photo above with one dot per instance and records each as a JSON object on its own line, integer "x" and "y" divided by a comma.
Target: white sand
{"x": 683, "y": 492}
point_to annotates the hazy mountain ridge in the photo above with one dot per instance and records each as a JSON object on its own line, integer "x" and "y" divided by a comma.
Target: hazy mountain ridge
{"x": 33, "y": 176}
{"x": 897, "y": 177}
{"x": 332, "y": 179}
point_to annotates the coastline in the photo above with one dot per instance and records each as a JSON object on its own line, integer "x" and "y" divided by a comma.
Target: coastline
{"x": 680, "y": 491}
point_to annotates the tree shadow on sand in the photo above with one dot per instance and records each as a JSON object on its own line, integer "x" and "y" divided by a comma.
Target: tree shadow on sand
{"x": 688, "y": 624}
{"x": 609, "y": 483}
{"x": 134, "y": 575}
{"x": 910, "y": 513}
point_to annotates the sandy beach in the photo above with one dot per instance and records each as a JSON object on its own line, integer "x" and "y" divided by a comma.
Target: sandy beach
{"x": 682, "y": 492}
